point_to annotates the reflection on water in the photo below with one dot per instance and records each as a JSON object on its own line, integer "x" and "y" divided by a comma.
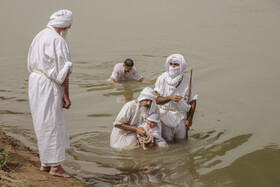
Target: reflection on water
{"x": 177, "y": 164}
{"x": 6, "y": 98}
{"x": 126, "y": 90}
{"x": 9, "y": 112}
{"x": 259, "y": 168}
{"x": 99, "y": 115}
{"x": 5, "y": 91}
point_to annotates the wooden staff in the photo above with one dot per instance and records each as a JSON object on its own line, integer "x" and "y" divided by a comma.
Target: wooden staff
{"x": 189, "y": 97}
{"x": 190, "y": 88}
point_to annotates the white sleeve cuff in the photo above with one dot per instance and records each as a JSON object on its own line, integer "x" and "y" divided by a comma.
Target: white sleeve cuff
{"x": 68, "y": 67}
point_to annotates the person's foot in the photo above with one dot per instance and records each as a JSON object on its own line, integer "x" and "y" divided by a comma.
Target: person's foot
{"x": 59, "y": 172}
{"x": 45, "y": 168}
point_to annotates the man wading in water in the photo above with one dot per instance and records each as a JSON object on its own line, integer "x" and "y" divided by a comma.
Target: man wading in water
{"x": 173, "y": 90}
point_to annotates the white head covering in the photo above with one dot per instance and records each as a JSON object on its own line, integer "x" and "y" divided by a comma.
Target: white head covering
{"x": 176, "y": 58}
{"x": 153, "y": 117}
{"x": 173, "y": 81}
{"x": 61, "y": 19}
{"x": 147, "y": 93}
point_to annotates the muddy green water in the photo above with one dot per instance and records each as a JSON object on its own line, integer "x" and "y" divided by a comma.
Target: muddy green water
{"x": 233, "y": 48}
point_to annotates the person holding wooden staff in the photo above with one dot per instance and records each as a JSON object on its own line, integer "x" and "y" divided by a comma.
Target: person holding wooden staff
{"x": 176, "y": 98}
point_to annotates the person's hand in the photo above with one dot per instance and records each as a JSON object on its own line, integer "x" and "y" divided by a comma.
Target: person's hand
{"x": 146, "y": 82}
{"x": 188, "y": 125}
{"x": 140, "y": 131}
{"x": 118, "y": 84}
{"x": 66, "y": 103}
{"x": 176, "y": 98}
{"x": 147, "y": 138}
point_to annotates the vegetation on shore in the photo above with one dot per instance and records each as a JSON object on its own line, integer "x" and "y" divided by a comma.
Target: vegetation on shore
{"x": 4, "y": 158}
{"x": 19, "y": 166}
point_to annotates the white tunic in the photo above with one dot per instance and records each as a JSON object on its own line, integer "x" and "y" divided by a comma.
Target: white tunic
{"x": 119, "y": 74}
{"x": 50, "y": 55}
{"x": 171, "y": 113}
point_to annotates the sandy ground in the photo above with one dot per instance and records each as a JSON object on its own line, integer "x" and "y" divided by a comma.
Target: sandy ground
{"x": 23, "y": 170}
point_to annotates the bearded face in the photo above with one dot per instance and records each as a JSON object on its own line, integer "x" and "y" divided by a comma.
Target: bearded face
{"x": 144, "y": 110}
{"x": 64, "y": 33}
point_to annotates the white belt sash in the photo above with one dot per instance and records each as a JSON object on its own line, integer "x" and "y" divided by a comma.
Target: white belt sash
{"x": 39, "y": 72}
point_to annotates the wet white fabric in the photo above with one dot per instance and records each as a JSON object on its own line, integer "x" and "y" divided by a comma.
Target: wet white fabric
{"x": 119, "y": 73}
{"x": 61, "y": 19}
{"x": 172, "y": 113}
{"x": 130, "y": 115}
{"x": 122, "y": 139}
{"x": 154, "y": 117}
{"x": 154, "y": 131}
{"x": 51, "y": 164}
{"x": 178, "y": 132}
{"x": 50, "y": 55}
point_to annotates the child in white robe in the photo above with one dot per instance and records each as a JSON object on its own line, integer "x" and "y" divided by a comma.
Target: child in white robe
{"x": 150, "y": 125}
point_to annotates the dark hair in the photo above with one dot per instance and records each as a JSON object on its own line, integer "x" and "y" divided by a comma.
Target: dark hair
{"x": 128, "y": 62}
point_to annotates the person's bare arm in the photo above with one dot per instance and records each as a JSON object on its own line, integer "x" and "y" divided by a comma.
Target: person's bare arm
{"x": 113, "y": 81}
{"x": 163, "y": 100}
{"x": 144, "y": 81}
{"x": 65, "y": 89}
{"x": 131, "y": 128}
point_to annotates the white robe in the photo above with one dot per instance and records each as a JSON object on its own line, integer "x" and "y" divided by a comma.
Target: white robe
{"x": 130, "y": 115}
{"x": 50, "y": 55}
{"x": 171, "y": 113}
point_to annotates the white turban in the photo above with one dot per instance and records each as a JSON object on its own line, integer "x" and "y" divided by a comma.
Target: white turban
{"x": 173, "y": 81}
{"x": 147, "y": 93}
{"x": 61, "y": 19}
{"x": 176, "y": 58}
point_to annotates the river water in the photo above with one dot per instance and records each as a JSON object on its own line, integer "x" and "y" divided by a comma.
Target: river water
{"x": 233, "y": 48}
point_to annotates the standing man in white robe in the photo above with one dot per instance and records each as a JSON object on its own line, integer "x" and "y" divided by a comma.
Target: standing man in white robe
{"x": 123, "y": 135}
{"x": 172, "y": 90}
{"x": 49, "y": 65}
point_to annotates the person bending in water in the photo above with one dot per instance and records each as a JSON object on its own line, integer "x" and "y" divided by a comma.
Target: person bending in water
{"x": 153, "y": 132}
{"x": 126, "y": 71}
{"x": 123, "y": 135}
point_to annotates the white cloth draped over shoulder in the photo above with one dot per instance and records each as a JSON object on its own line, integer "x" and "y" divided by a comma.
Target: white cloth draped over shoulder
{"x": 130, "y": 115}
{"x": 49, "y": 55}
{"x": 172, "y": 113}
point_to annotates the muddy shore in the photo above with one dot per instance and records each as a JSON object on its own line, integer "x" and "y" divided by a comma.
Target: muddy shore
{"x": 23, "y": 167}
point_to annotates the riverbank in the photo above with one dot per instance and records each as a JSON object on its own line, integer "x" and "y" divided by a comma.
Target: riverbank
{"x": 23, "y": 165}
